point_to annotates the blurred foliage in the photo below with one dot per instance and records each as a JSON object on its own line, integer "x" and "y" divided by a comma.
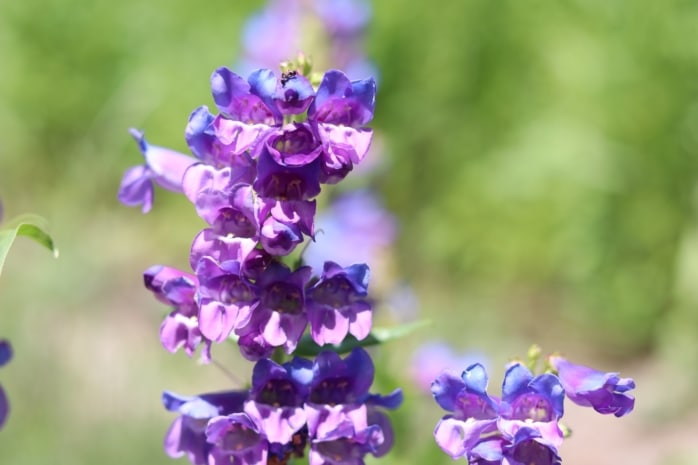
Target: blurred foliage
{"x": 545, "y": 150}
{"x": 542, "y": 164}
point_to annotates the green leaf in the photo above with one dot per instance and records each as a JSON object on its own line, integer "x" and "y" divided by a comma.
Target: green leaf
{"x": 307, "y": 347}
{"x": 30, "y": 226}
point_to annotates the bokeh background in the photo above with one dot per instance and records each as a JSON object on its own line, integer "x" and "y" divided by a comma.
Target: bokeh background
{"x": 540, "y": 157}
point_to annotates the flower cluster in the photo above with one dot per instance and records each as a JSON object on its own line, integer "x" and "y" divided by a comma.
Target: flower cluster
{"x": 521, "y": 427}
{"x": 259, "y": 165}
{"x": 323, "y": 403}
{"x": 5, "y": 356}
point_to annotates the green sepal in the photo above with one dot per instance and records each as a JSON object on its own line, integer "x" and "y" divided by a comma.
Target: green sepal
{"x": 309, "y": 348}
{"x": 31, "y": 226}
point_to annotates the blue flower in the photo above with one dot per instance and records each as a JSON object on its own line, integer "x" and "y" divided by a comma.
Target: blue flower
{"x": 525, "y": 397}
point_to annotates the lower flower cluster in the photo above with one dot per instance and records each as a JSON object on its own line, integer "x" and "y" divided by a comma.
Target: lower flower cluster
{"x": 521, "y": 427}
{"x": 324, "y": 403}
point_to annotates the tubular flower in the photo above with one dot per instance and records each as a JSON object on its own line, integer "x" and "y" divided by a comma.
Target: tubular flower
{"x": 163, "y": 167}
{"x": 181, "y": 327}
{"x": 607, "y": 393}
{"x": 525, "y": 397}
{"x": 338, "y": 304}
{"x": 279, "y": 315}
{"x": 474, "y": 412}
{"x": 338, "y": 386}
{"x": 187, "y": 433}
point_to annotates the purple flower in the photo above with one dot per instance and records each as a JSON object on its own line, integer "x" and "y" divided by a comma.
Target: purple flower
{"x": 345, "y": 383}
{"x": 163, "y": 166}
{"x": 241, "y": 218}
{"x": 466, "y": 396}
{"x": 294, "y": 93}
{"x": 5, "y": 356}
{"x": 294, "y": 145}
{"x": 604, "y": 392}
{"x": 246, "y": 101}
{"x": 237, "y": 141}
{"x": 277, "y": 396}
{"x": 201, "y": 137}
{"x": 222, "y": 248}
{"x": 529, "y": 446}
{"x": 474, "y": 412}
{"x": 339, "y": 101}
{"x": 279, "y": 315}
{"x": 343, "y": 147}
{"x": 285, "y": 224}
{"x": 524, "y": 447}
{"x": 459, "y": 438}
{"x": 338, "y": 304}
{"x": 212, "y": 190}
{"x": 187, "y": 434}
{"x": 237, "y": 439}
{"x": 284, "y": 182}
{"x": 181, "y": 327}
{"x": 225, "y": 297}
{"x": 341, "y": 381}
{"x": 340, "y": 435}
{"x": 525, "y": 397}
{"x": 223, "y": 142}
{"x": 254, "y": 347}
{"x": 172, "y": 287}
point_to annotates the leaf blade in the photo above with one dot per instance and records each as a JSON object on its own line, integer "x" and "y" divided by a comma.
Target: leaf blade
{"x": 30, "y": 226}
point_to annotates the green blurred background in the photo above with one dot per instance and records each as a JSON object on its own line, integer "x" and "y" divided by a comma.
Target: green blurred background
{"x": 542, "y": 164}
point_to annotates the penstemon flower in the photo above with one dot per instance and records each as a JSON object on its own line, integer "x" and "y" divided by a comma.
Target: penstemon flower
{"x": 604, "y": 392}
{"x": 163, "y": 167}
{"x": 323, "y": 403}
{"x": 523, "y": 426}
{"x": 187, "y": 433}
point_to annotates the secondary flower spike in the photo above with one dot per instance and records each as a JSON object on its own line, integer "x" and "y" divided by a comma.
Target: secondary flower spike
{"x": 522, "y": 427}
